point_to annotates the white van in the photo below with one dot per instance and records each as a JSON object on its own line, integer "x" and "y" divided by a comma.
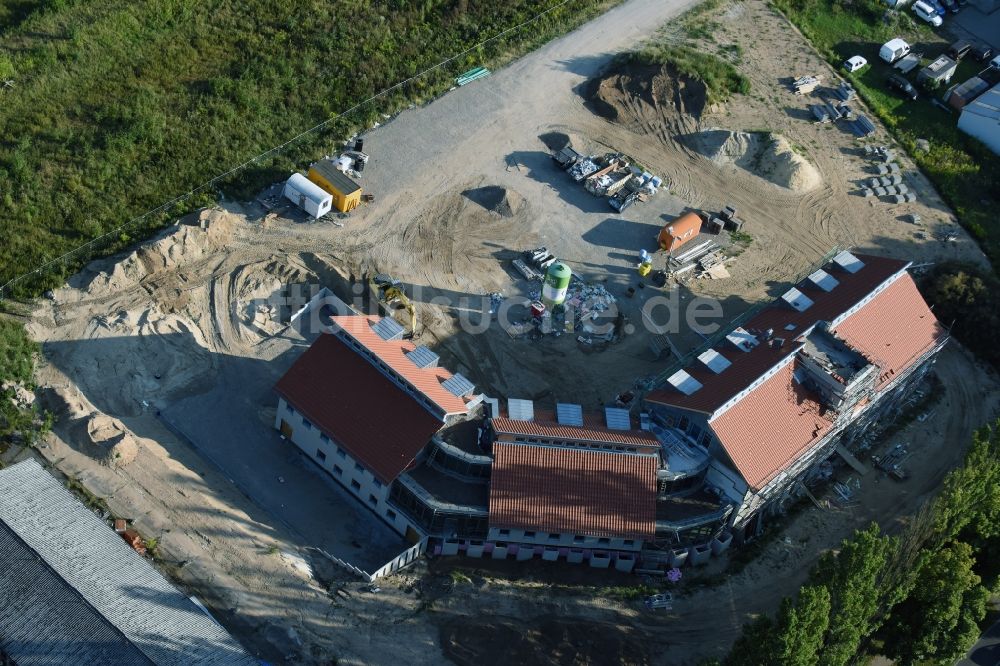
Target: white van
{"x": 854, "y": 63}
{"x": 893, "y": 50}
{"x": 927, "y": 13}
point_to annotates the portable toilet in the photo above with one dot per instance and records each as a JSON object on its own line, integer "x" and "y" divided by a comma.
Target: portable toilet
{"x": 346, "y": 193}
{"x": 680, "y": 231}
{"x": 308, "y": 196}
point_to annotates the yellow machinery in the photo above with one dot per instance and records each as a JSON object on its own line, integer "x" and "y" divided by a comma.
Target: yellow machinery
{"x": 390, "y": 294}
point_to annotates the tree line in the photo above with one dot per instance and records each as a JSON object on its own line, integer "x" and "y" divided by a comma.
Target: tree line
{"x": 917, "y": 597}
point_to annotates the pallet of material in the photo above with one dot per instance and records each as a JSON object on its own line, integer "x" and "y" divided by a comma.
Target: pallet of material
{"x": 845, "y": 92}
{"x": 806, "y": 84}
{"x": 862, "y": 127}
{"x": 887, "y": 169}
{"x": 820, "y": 112}
{"x": 711, "y": 259}
{"x": 686, "y": 268}
{"x": 694, "y": 253}
{"x": 867, "y": 192}
{"x": 910, "y": 197}
{"x": 527, "y": 271}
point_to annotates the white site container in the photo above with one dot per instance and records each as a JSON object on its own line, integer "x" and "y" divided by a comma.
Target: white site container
{"x": 308, "y": 196}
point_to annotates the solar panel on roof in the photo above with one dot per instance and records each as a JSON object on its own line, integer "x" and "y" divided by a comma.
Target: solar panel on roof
{"x": 521, "y": 410}
{"x": 617, "y": 418}
{"x": 714, "y": 361}
{"x": 848, "y": 262}
{"x": 423, "y": 357}
{"x": 569, "y": 414}
{"x": 797, "y": 299}
{"x": 458, "y": 385}
{"x": 684, "y": 382}
{"x": 823, "y": 280}
{"x": 388, "y": 328}
{"x": 742, "y": 339}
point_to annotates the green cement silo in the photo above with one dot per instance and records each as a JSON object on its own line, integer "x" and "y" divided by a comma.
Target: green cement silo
{"x": 556, "y": 284}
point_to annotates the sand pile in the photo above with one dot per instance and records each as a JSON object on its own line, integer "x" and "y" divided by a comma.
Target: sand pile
{"x": 635, "y": 95}
{"x": 111, "y": 443}
{"x": 763, "y": 154}
{"x": 191, "y": 238}
{"x": 498, "y": 200}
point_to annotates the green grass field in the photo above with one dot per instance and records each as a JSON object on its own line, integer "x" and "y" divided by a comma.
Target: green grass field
{"x": 965, "y": 172}
{"x": 120, "y": 106}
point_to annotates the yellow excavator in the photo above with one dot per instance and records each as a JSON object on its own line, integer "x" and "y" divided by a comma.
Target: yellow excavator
{"x": 391, "y": 295}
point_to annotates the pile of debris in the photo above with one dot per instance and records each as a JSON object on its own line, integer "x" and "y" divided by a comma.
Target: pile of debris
{"x": 609, "y": 175}
{"x": 580, "y": 313}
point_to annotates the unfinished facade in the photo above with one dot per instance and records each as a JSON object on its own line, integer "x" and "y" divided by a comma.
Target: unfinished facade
{"x": 700, "y": 462}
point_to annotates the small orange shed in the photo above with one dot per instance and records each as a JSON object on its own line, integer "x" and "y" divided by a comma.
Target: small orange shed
{"x": 680, "y": 231}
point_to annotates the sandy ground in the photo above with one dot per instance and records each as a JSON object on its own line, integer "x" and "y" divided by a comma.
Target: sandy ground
{"x": 189, "y": 331}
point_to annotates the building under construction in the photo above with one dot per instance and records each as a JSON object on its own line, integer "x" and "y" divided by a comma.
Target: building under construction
{"x": 696, "y": 465}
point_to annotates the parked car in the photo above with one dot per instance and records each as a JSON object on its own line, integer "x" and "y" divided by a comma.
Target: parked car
{"x": 981, "y": 51}
{"x": 936, "y": 6}
{"x": 893, "y": 50}
{"x": 927, "y": 13}
{"x": 854, "y": 63}
{"x": 959, "y": 50}
{"x": 951, "y": 5}
{"x": 897, "y": 82}
{"x": 995, "y": 63}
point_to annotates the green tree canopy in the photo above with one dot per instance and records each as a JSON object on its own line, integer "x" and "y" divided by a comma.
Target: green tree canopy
{"x": 802, "y": 626}
{"x": 853, "y": 576}
{"x": 938, "y": 622}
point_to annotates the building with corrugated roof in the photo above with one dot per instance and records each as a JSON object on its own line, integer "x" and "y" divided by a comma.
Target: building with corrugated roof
{"x": 74, "y": 592}
{"x": 723, "y": 442}
{"x": 981, "y": 118}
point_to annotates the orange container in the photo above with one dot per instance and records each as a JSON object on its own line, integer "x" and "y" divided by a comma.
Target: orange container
{"x": 680, "y": 231}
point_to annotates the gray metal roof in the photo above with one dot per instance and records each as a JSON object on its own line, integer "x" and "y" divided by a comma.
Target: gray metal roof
{"x": 388, "y": 328}
{"x": 569, "y": 414}
{"x": 423, "y": 357}
{"x": 336, "y": 177}
{"x": 987, "y": 105}
{"x": 458, "y": 385}
{"x": 45, "y": 621}
{"x": 617, "y": 418}
{"x": 80, "y": 595}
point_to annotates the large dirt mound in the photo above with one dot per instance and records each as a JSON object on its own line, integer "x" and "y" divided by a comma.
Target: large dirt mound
{"x": 634, "y": 95}
{"x": 112, "y": 443}
{"x": 769, "y": 156}
{"x": 197, "y": 236}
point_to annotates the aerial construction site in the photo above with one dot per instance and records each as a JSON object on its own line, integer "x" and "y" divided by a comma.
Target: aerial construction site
{"x": 569, "y": 326}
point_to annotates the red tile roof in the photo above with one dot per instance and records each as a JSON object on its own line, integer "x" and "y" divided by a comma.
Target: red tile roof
{"x": 717, "y": 389}
{"x": 574, "y": 491}
{"x": 393, "y": 354}
{"x": 771, "y": 427}
{"x": 362, "y": 410}
{"x": 894, "y": 329}
{"x": 543, "y": 428}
